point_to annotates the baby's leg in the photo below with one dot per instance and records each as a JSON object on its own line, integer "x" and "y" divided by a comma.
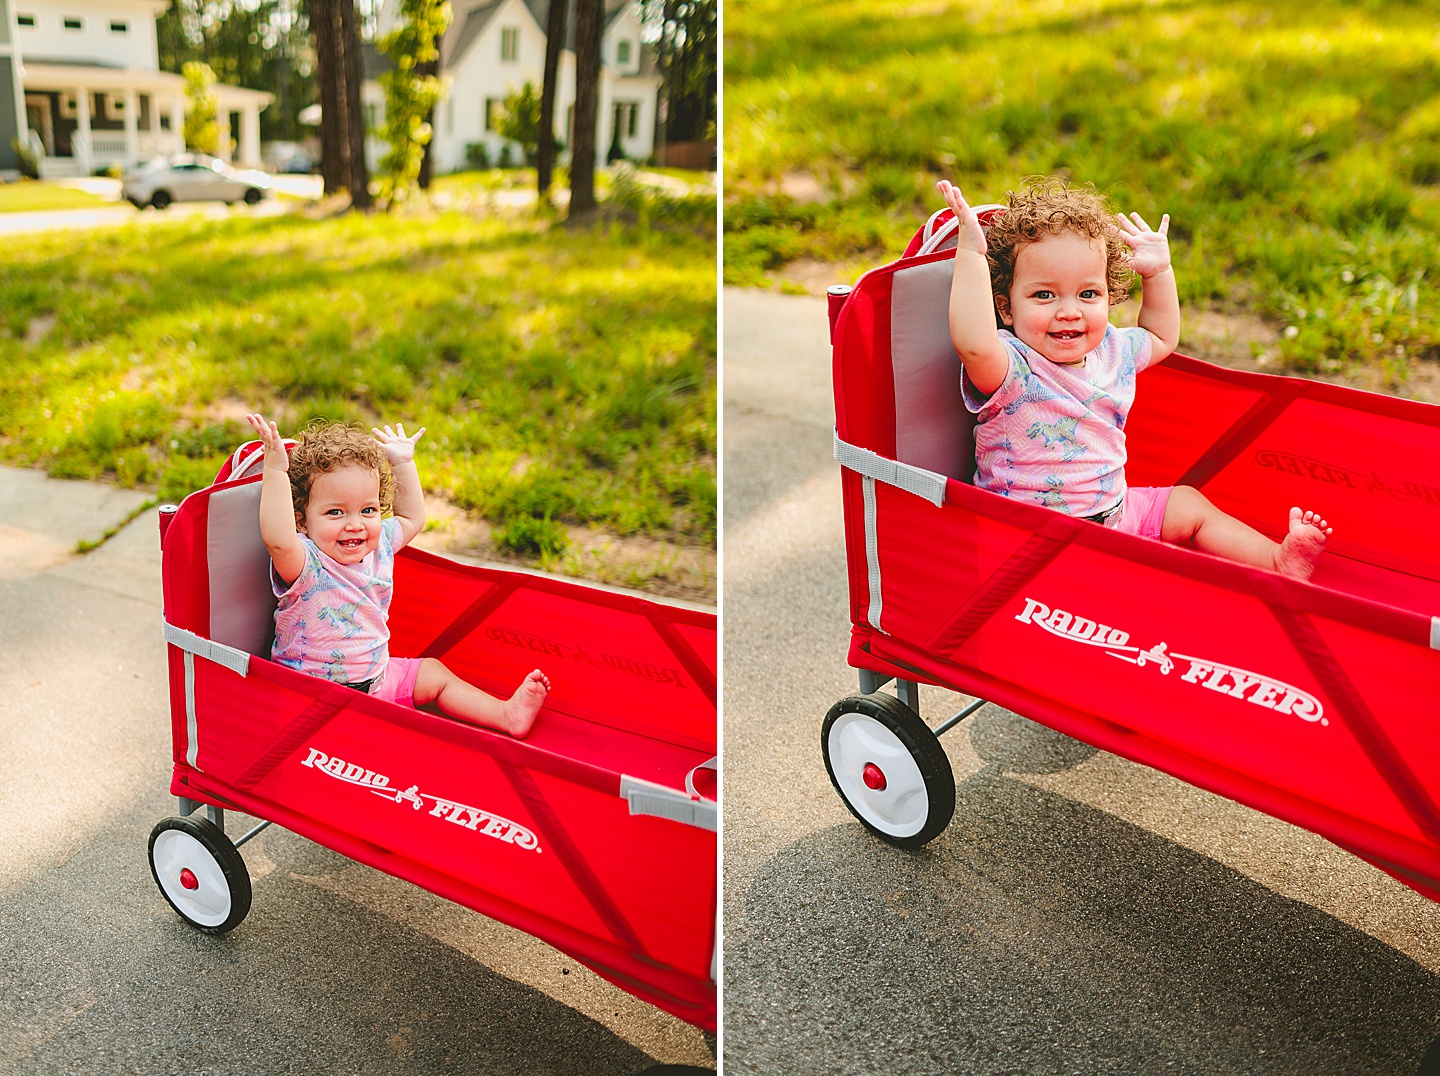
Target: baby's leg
{"x": 1190, "y": 518}
{"x": 515, "y": 715}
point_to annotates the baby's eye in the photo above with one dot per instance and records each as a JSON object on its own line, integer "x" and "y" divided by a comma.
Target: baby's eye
{"x": 333, "y": 512}
{"x": 369, "y": 511}
{"x": 1090, "y": 293}
{"x": 1043, "y": 293}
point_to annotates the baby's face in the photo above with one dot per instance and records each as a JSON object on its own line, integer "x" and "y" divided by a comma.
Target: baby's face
{"x": 1060, "y": 297}
{"x": 343, "y": 516}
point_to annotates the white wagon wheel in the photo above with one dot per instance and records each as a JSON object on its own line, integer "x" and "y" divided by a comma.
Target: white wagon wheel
{"x": 200, "y": 873}
{"x": 889, "y": 768}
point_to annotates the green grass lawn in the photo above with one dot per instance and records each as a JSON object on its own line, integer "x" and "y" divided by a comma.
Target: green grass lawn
{"x": 1295, "y": 145}
{"x": 565, "y": 377}
{"x": 32, "y": 196}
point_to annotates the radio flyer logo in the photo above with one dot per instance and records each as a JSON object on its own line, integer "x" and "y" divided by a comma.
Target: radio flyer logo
{"x": 1335, "y": 475}
{"x": 475, "y": 819}
{"x": 660, "y": 674}
{"x": 1252, "y": 687}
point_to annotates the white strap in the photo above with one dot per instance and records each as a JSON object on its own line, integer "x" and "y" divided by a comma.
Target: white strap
{"x": 934, "y": 239}
{"x": 1435, "y": 633}
{"x": 648, "y": 798}
{"x": 233, "y": 659}
{"x": 712, "y": 764}
{"x": 248, "y": 458}
{"x": 917, "y": 480}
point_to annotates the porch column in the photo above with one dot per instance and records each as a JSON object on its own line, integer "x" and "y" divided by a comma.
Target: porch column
{"x": 250, "y": 136}
{"x": 82, "y": 131}
{"x": 177, "y": 122}
{"x": 155, "y": 149}
{"x": 132, "y": 128}
{"x": 222, "y": 122}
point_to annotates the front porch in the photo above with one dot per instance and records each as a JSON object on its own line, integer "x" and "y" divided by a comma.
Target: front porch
{"x": 88, "y": 119}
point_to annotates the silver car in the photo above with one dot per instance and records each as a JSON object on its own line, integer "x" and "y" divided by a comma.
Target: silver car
{"x": 192, "y": 178}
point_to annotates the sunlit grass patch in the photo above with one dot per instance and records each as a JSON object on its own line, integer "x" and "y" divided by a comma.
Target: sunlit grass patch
{"x": 34, "y": 196}
{"x": 1294, "y": 144}
{"x": 566, "y": 377}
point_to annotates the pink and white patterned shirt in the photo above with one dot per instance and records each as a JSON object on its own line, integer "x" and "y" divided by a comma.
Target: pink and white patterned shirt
{"x": 332, "y": 622}
{"x": 1053, "y": 434}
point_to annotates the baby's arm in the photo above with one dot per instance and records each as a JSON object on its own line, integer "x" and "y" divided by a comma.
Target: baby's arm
{"x": 409, "y": 497}
{"x": 972, "y": 305}
{"x": 1159, "y": 300}
{"x": 277, "y": 507}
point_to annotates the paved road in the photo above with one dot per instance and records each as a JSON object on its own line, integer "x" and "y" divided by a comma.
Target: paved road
{"x": 337, "y": 969}
{"x": 1081, "y": 914}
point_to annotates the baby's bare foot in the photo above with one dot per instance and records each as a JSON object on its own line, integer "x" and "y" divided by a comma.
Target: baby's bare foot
{"x": 523, "y": 706}
{"x": 1300, "y": 550}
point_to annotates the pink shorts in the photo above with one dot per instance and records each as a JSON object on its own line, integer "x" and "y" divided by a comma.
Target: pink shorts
{"x": 397, "y": 682}
{"x": 1144, "y": 511}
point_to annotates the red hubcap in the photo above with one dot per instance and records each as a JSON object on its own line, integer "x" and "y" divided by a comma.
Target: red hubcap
{"x": 188, "y": 879}
{"x": 874, "y": 777}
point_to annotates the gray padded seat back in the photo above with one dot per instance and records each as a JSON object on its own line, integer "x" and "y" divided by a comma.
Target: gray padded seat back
{"x": 932, "y": 427}
{"x": 242, "y": 605}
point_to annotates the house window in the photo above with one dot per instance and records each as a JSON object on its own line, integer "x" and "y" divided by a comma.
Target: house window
{"x": 73, "y": 23}
{"x": 115, "y": 105}
{"x": 67, "y": 106}
{"x": 492, "y": 112}
{"x": 509, "y": 44}
{"x": 627, "y": 117}
{"x": 622, "y": 54}
{"x": 119, "y": 27}
{"x": 26, "y": 20}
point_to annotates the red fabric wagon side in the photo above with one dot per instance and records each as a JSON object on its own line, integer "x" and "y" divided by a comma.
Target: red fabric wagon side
{"x": 1313, "y": 701}
{"x": 585, "y": 834}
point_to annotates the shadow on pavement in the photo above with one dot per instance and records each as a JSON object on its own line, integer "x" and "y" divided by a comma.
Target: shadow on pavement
{"x": 1039, "y": 935}
{"x": 101, "y": 976}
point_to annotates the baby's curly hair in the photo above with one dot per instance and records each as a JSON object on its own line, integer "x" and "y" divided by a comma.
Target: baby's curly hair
{"x": 1047, "y": 206}
{"x": 327, "y": 446}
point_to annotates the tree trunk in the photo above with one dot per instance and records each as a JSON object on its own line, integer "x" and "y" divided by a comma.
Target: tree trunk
{"x": 588, "y": 17}
{"x": 329, "y": 76}
{"x": 359, "y": 176}
{"x": 427, "y": 160}
{"x": 554, "y": 43}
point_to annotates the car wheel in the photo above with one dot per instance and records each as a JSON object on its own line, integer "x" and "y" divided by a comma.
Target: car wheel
{"x": 200, "y": 873}
{"x": 889, "y": 768}
{"x": 160, "y": 199}
{"x": 253, "y": 196}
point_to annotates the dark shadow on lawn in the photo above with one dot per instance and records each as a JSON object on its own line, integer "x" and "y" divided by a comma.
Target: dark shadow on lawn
{"x": 1039, "y": 935}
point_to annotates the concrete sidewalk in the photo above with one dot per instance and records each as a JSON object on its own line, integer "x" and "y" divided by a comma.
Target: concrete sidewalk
{"x": 338, "y": 967}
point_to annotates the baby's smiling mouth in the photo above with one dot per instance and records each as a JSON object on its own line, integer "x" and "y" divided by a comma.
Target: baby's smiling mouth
{"x": 351, "y": 543}
{"x": 1067, "y": 334}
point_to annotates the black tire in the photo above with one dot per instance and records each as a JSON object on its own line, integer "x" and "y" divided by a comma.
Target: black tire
{"x": 160, "y": 199}
{"x": 253, "y": 196}
{"x": 915, "y": 799}
{"x": 200, "y": 873}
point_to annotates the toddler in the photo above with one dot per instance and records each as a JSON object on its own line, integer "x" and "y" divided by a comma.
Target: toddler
{"x": 1051, "y": 389}
{"x": 332, "y": 558}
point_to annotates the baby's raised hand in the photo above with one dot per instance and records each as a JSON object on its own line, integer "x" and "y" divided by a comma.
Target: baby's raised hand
{"x": 397, "y": 447}
{"x": 972, "y": 236}
{"x": 276, "y": 458}
{"x": 1151, "y": 248}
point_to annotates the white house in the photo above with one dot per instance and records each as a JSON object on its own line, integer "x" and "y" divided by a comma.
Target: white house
{"x": 94, "y": 94}
{"x": 494, "y": 47}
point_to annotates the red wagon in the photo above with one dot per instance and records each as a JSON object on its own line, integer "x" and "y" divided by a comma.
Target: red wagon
{"x": 596, "y": 833}
{"x": 1317, "y": 702}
